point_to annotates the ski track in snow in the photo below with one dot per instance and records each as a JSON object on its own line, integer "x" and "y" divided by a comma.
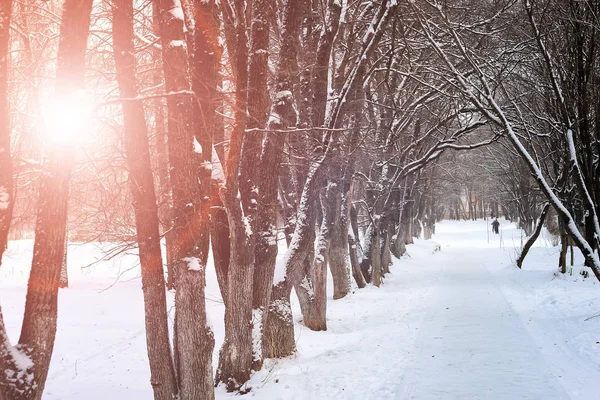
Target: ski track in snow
{"x": 460, "y": 323}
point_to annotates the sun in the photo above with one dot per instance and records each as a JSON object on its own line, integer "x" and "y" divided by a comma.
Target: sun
{"x": 66, "y": 118}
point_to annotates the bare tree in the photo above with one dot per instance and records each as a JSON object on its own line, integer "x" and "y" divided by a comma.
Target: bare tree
{"x": 137, "y": 151}
{"x": 6, "y": 174}
{"x": 26, "y": 365}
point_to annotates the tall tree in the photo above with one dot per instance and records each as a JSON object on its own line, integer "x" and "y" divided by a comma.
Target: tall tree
{"x": 194, "y": 339}
{"x": 235, "y": 356}
{"x": 6, "y": 172}
{"x": 28, "y": 362}
{"x": 141, "y": 183}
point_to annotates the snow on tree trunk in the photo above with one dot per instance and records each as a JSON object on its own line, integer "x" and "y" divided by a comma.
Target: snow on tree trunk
{"x": 356, "y": 271}
{"x": 64, "y": 275}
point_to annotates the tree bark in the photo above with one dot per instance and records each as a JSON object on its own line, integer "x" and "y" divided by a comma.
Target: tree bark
{"x": 564, "y": 243}
{"x": 164, "y": 194}
{"x": 38, "y": 331}
{"x": 219, "y": 240}
{"x": 376, "y": 256}
{"x": 137, "y": 151}
{"x": 190, "y": 180}
{"x": 64, "y": 274}
{"x": 356, "y": 271}
{"x": 534, "y": 236}
{"x": 283, "y": 116}
{"x": 6, "y": 173}
{"x": 235, "y": 356}
{"x": 258, "y": 105}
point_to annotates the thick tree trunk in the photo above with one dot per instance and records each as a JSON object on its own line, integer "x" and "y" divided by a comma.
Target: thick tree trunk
{"x": 6, "y": 173}
{"x": 164, "y": 185}
{"x": 339, "y": 260}
{"x": 356, "y": 271}
{"x": 376, "y": 257}
{"x": 386, "y": 254}
{"x": 162, "y": 371}
{"x": 279, "y": 338}
{"x": 39, "y": 322}
{"x": 564, "y": 243}
{"x": 235, "y": 356}
{"x": 190, "y": 182}
{"x": 258, "y": 105}
{"x": 366, "y": 265}
{"x": 312, "y": 290}
{"x": 283, "y": 115}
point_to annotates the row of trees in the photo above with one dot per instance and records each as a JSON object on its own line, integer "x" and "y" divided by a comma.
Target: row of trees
{"x": 241, "y": 123}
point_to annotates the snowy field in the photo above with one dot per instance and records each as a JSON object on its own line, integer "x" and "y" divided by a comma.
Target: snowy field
{"x": 459, "y": 323}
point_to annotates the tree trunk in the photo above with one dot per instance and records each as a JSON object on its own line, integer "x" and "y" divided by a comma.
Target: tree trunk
{"x": 258, "y": 105}
{"x": 315, "y": 279}
{"x": 366, "y": 265}
{"x": 386, "y": 259}
{"x": 38, "y": 331}
{"x": 564, "y": 243}
{"x": 272, "y": 151}
{"x": 356, "y": 271}
{"x": 219, "y": 239}
{"x": 533, "y": 237}
{"x": 235, "y": 356}
{"x": 64, "y": 274}
{"x": 6, "y": 173}
{"x": 376, "y": 257}
{"x": 190, "y": 181}
{"x": 165, "y": 202}
{"x": 137, "y": 151}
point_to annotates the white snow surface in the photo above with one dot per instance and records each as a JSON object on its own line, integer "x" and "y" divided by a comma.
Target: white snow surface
{"x": 4, "y": 198}
{"x": 193, "y": 263}
{"x": 460, "y": 323}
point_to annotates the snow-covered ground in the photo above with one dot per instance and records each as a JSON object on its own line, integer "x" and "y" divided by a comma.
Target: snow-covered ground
{"x": 459, "y": 323}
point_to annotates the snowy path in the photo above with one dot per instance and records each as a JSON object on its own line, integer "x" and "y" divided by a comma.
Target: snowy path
{"x": 473, "y": 345}
{"x": 461, "y": 323}
{"x": 457, "y": 324}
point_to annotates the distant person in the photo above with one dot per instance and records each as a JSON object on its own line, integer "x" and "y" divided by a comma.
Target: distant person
{"x": 496, "y": 226}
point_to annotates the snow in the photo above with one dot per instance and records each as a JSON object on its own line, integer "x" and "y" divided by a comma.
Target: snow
{"x": 193, "y": 263}
{"x": 217, "y": 169}
{"x": 177, "y": 43}
{"x": 459, "y": 323}
{"x": 177, "y": 10}
{"x": 197, "y": 146}
{"x": 257, "y": 329}
{"x": 4, "y": 198}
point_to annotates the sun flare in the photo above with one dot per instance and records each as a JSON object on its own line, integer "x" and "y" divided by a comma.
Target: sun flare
{"x": 65, "y": 118}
